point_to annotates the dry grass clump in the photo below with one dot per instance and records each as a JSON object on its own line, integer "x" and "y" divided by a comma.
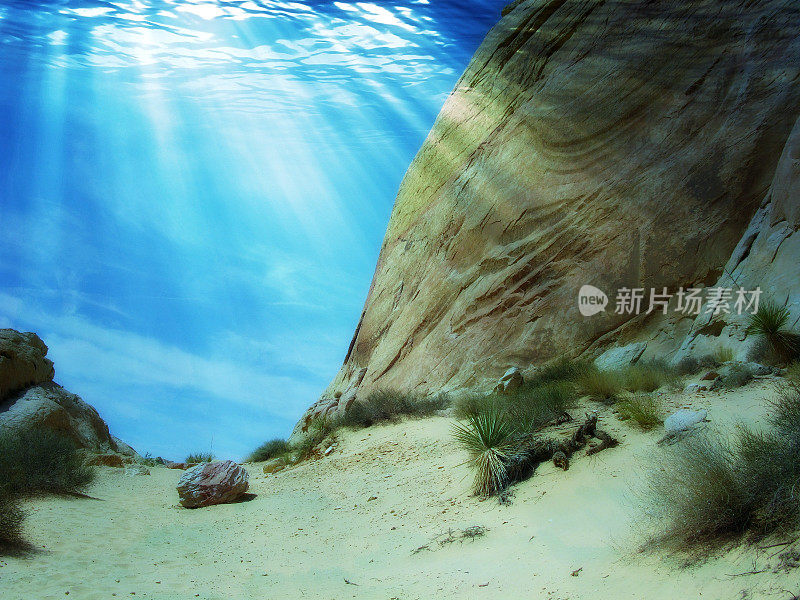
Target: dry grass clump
{"x": 601, "y": 385}
{"x": 35, "y": 462}
{"x": 793, "y": 373}
{"x": 531, "y": 407}
{"x": 724, "y": 354}
{"x": 319, "y": 429}
{"x": 271, "y": 449}
{"x": 386, "y": 405}
{"x": 710, "y": 491}
{"x": 689, "y": 365}
{"x": 643, "y": 409}
{"x": 736, "y": 376}
{"x": 487, "y": 437}
{"x": 648, "y": 376}
{"x": 199, "y": 457}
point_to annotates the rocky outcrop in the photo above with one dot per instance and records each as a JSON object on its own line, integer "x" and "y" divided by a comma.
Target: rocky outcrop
{"x": 618, "y": 144}
{"x": 766, "y": 257}
{"x": 31, "y": 400}
{"x": 23, "y": 362}
{"x": 212, "y": 483}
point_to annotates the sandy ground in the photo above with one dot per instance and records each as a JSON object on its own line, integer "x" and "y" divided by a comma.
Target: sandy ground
{"x": 311, "y": 528}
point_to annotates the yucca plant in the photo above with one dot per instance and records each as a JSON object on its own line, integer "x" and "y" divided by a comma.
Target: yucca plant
{"x": 769, "y": 322}
{"x": 487, "y": 437}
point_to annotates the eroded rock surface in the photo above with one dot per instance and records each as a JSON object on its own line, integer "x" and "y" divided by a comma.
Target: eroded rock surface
{"x": 210, "y": 483}
{"x": 616, "y": 143}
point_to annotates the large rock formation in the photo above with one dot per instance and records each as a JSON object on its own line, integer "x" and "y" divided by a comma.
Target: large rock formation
{"x": 618, "y": 143}
{"x": 211, "y": 483}
{"x": 29, "y": 399}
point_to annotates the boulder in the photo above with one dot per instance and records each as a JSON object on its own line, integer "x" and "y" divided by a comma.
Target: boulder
{"x": 620, "y": 357}
{"x": 210, "y": 483}
{"x": 693, "y": 388}
{"x": 52, "y": 407}
{"x": 175, "y": 465}
{"x": 510, "y": 381}
{"x": 684, "y": 419}
{"x": 274, "y": 465}
{"x": 23, "y": 362}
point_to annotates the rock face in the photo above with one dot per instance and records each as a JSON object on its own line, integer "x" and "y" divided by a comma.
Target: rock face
{"x": 23, "y": 362}
{"x": 212, "y": 483}
{"x": 612, "y": 143}
{"x": 31, "y": 399}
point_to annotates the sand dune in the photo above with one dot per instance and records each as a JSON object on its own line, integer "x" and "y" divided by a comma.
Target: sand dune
{"x": 312, "y": 527}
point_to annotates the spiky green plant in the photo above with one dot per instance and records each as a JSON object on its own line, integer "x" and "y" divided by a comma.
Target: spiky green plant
{"x": 769, "y": 323}
{"x": 487, "y": 437}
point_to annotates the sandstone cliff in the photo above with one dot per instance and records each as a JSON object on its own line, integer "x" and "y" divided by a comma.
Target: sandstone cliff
{"x": 29, "y": 398}
{"x": 619, "y": 143}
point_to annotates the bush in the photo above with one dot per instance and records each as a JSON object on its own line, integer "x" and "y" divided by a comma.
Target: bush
{"x": 468, "y": 405}
{"x": 793, "y": 373}
{"x": 531, "y": 407}
{"x": 11, "y": 518}
{"x": 488, "y": 439}
{"x": 38, "y": 461}
{"x": 561, "y": 369}
{"x": 199, "y": 457}
{"x": 769, "y": 323}
{"x": 711, "y": 491}
{"x": 643, "y": 409}
{"x": 318, "y": 429}
{"x": 689, "y": 365}
{"x": 601, "y": 385}
{"x": 386, "y": 405}
{"x": 268, "y": 450}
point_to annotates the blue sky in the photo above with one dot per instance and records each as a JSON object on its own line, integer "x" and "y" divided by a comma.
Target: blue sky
{"x": 193, "y": 195}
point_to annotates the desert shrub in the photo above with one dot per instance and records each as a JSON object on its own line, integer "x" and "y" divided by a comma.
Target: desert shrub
{"x": 199, "y": 457}
{"x": 724, "y": 354}
{"x": 385, "y": 405}
{"x": 271, "y": 449}
{"x": 735, "y": 376}
{"x": 39, "y": 461}
{"x": 710, "y": 491}
{"x": 533, "y": 406}
{"x": 643, "y": 409}
{"x": 487, "y": 437}
{"x": 689, "y": 365}
{"x": 467, "y": 405}
{"x": 318, "y": 430}
{"x": 11, "y": 518}
{"x": 561, "y": 369}
{"x": 601, "y": 385}
{"x": 769, "y": 323}
{"x": 698, "y": 493}
{"x": 793, "y": 373}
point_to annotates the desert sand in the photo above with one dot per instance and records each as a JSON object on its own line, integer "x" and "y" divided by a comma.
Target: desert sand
{"x": 360, "y": 514}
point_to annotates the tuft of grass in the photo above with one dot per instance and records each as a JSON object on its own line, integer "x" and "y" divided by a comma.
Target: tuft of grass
{"x": 531, "y": 407}
{"x": 39, "y": 461}
{"x": 11, "y": 519}
{"x": 271, "y": 449}
{"x": 712, "y": 491}
{"x": 643, "y": 409}
{"x": 488, "y": 439}
{"x": 724, "y": 354}
{"x": 387, "y": 405}
{"x": 561, "y": 369}
{"x": 318, "y": 430}
{"x": 769, "y": 323}
{"x": 199, "y": 457}
{"x": 689, "y": 365}
{"x": 601, "y": 385}
{"x": 467, "y": 405}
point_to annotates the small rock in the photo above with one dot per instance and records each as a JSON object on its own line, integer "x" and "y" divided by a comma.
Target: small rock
{"x": 134, "y": 470}
{"x": 693, "y": 388}
{"x": 371, "y": 498}
{"x": 684, "y": 419}
{"x": 211, "y": 483}
{"x": 175, "y": 465}
{"x": 274, "y": 465}
{"x": 510, "y": 381}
